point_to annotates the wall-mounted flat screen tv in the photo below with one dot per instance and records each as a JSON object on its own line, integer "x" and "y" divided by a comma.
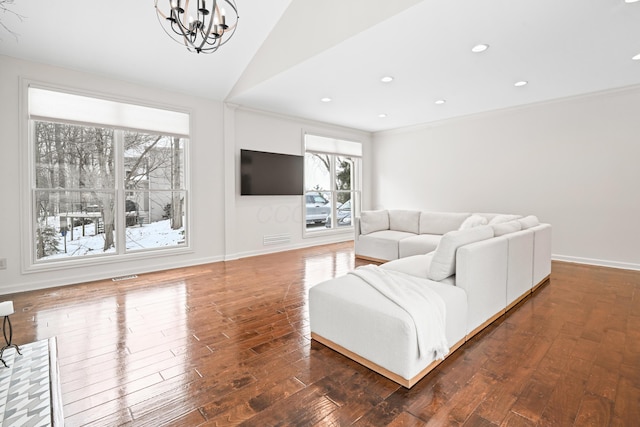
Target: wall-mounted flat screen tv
{"x": 271, "y": 174}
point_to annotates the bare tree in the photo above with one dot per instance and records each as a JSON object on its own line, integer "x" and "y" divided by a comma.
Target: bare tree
{"x": 343, "y": 173}
{"x": 75, "y": 167}
{"x": 145, "y": 159}
{"x": 176, "y": 199}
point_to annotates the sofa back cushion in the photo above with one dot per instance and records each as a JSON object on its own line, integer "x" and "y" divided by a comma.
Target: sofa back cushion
{"x": 502, "y": 228}
{"x": 529, "y": 221}
{"x": 500, "y": 218}
{"x": 443, "y": 263}
{"x": 408, "y": 221}
{"x": 371, "y": 221}
{"x": 441, "y": 222}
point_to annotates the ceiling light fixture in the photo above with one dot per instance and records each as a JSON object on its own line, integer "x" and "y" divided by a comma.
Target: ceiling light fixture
{"x": 479, "y": 48}
{"x": 636, "y": 58}
{"x": 521, "y": 83}
{"x": 198, "y": 27}
{"x": 386, "y": 79}
{"x": 382, "y": 116}
{"x": 440, "y": 101}
{"x": 631, "y": 1}
{"x": 326, "y": 99}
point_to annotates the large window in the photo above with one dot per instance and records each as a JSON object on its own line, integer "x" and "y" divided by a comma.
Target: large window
{"x": 332, "y": 187}
{"x": 108, "y": 177}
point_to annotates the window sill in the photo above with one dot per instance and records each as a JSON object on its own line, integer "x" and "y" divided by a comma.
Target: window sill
{"x": 102, "y": 260}
{"x": 327, "y": 232}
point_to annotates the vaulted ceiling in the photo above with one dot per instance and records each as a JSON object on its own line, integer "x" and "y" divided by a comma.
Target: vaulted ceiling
{"x": 289, "y": 54}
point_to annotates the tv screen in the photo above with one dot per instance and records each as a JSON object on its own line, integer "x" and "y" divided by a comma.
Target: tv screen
{"x": 271, "y": 174}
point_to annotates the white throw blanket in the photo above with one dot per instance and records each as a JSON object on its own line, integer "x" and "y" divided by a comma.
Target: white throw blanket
{"x": 413, "y": 295}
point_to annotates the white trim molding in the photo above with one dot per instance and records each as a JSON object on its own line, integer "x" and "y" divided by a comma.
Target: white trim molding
{"x": 598, "y": 262}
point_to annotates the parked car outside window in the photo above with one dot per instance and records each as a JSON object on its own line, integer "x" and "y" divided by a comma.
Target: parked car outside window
{"x": 343, "y": 215}
{"x": 317, "y": 208}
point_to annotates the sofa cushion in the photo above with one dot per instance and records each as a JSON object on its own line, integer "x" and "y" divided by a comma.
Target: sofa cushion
{"x": 408, "y": 221}
{"x": 380, "y": 245}
{"x": 473, "y": 221}
{"x": 529, "y": 221}
{"x": 420, "y": 244}
{"x": 371, "y": 221}
{"x": 416, "y": 265}
{"x": 499, "y": 219}
{"x": 503, "y": 228}
{"x": 443, "y": 263}
{"x": 394, "y": 235}
{"x": 441, "y": 222}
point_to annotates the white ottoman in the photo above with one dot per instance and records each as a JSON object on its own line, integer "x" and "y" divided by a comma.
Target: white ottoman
{"x": 354, "y": 319}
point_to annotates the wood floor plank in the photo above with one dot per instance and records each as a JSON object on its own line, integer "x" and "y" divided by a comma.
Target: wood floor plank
{"x": 228, "y": 344}
{"x": 603, "y": 382}
{"x": 627, "y": 403}
{"x": 516, "y": 420}
{"x": 564, "y": 402}
{"x": 405, "y": 419}
{"x": 594, "y": 411}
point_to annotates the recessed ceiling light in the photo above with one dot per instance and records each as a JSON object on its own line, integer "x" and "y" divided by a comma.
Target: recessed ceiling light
{"x": 521, "y": 83}
{"x": 636, "y": 58}
{"x": 440, "y": 101}
{"x": 326, "y": 99}
{"x": 479, "y": 48}
{"x": 386, "y": 79}
{"x": 382, "y": 116}
{"x": 631, "y": 1}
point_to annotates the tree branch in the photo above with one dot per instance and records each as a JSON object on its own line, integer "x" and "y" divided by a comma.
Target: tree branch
{"x": 5, "y": 9}
{"x": 141, "y": 157}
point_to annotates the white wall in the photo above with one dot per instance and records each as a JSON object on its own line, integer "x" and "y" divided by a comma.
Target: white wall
{"x": 223, "y": 224}
{"x": 206, "y": 164}
{"x": 575, "y": 163}
{"x": 258, "y": 216}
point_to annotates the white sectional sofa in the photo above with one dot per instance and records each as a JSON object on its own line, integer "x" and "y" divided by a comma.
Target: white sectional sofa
{"x": 478, "y": 273}
{"x": 385, "y": 235}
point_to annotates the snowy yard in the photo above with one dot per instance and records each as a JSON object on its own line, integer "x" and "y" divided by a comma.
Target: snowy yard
{"x": 155, "y": 235}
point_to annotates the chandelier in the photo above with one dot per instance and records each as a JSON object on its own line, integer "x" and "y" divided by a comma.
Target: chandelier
{"x": 198, "y": 27}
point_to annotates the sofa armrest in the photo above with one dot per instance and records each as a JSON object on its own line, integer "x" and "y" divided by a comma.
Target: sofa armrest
{"x": 541, "y": 253}
{"x": 520, "y": 266}
{"x": 481, "y": 270}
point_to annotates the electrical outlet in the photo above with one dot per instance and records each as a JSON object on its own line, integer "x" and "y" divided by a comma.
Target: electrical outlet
{"x": 3, "y": 263}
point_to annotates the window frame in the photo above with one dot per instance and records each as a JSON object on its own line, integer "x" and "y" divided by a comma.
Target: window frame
{"x": 356, "y": 187}
{"x": 28, "y": 189}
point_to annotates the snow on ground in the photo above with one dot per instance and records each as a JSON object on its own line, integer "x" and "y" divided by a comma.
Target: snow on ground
{"x": 155, "y": 235}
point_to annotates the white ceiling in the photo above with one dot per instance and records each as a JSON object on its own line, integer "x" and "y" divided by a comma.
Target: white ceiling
{"x": 287, "y": 54}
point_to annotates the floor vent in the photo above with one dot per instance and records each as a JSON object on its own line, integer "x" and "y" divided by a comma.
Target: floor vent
{"x": 129, "y": 277}
{"x": 276, "y": 239}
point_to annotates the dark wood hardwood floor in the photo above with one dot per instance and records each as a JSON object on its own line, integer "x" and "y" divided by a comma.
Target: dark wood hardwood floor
{"x": 228, "y": 344}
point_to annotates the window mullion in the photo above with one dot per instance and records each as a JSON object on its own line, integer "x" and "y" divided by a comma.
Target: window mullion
{"x": 120, "y": 231}
{"x": 334, "y": 192}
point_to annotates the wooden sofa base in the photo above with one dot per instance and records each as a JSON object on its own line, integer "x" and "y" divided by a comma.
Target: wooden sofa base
{"x": 368, "y": 258}
{"x": 542, "y": 282}
{"x": 527, "y": 293}
{"x": 408, "y": 383}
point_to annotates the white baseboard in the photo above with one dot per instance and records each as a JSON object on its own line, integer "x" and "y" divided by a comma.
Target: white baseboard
{"x": 284, "y": 248}
{"x": 83, "y": 278}
{"x": 598, "y": 262}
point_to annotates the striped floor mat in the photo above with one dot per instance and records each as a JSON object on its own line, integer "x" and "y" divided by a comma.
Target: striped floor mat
{"x": 29, "y": 386}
